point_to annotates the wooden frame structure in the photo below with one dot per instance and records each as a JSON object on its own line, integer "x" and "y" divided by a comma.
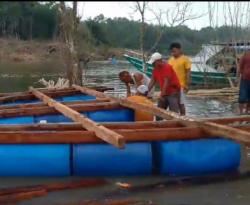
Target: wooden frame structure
{"x": 85, "y": 130}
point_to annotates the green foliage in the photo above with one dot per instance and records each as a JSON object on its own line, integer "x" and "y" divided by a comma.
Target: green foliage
{"x": 27, "y": 19}
{"x": 124, "y": 33}
{"x": 34, "y": 20}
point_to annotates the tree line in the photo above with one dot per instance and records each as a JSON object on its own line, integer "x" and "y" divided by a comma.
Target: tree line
{"x": 33, "y": 20}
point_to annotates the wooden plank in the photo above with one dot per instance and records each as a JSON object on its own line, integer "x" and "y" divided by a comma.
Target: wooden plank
{"x": 50, "y": 110}
{"x": 118, "y": 125}
{"x": 51, "y": 93}
{"x": 38, "y": 105}
{"x": 11, "y": 195}
{"x": 14, "y": 198}
{"x": 54, "y": 186}
{"x": 76, "y": 137}
{"x": 208, "y": 127}
{"x": 77, "y": 126}
{"x": 100, "y": 131}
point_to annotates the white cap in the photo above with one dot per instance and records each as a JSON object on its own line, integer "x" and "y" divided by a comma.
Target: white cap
{"x": 156, "y": 56}
{"x": 142, "y": 89}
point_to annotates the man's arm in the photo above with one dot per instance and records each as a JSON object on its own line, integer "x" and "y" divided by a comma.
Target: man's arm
{"x": 128, "y": 89}
{"x": 188, "y": 74}
{"x": 151, "y": 84}
{"x": 138, "y": 79}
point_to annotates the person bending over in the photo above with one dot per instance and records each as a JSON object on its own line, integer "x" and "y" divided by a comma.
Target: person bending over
{"x": 134, "y": 80}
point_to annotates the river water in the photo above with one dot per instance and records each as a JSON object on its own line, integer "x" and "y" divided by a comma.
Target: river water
{"x": 19, "y": 77}
{"x": 105, "y": 74}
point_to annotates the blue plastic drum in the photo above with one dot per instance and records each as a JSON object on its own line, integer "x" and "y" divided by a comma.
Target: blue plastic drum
{"x": 17, "y": 120}
{"x": 35, "y": 160}
{"x": 107, "y": 160}
{"x": 79, "y": 97}
{"x": 196, "y": 157}
{"x": 116, "y": 115}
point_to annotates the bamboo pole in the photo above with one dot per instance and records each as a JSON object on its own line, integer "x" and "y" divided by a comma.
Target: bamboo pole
{"x": 209, "y": 127}
{"x": 100, "y": 131}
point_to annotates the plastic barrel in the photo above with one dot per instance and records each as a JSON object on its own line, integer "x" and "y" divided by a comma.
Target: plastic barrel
{"x": 107, "y": 160}
{"x": 196, "y": 157}
{"x": 116, "y": 115}
{"x": 79, "y": 97}
{"x": 17, "y": 120}
{"x": 51, "y": 118}
{"x": 35, "y": 160}
{"x": 19, "y": 102}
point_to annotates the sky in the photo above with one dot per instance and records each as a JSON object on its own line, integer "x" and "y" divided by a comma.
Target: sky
{"x": 113, "y": 9}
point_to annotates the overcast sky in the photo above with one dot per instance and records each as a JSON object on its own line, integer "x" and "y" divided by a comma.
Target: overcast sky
{"x": 123, "y": 9}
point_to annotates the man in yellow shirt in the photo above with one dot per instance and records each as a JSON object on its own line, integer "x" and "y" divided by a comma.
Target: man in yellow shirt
{"x": 182, "y": 67}
{"x": 141, "y": 97}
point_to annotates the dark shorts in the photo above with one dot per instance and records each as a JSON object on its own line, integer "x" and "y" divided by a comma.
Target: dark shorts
{"x": 244, "y": 95}
{"x": 171, "y": 102}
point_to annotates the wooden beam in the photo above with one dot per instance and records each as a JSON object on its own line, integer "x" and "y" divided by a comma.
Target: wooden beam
{"x": 120, "y": 125}
{"x": 38, "y": 105}
{"x": 130, "y": 135}
{"x": 100, "y": 131}
{"x": 77, "y": 126}
{"x": 11, "y": 195}
{"x": 50, "y": 110}
{"x": 10, "y": 97}
{"x": 76, "y": 137}
{"x": 208, "y": 127}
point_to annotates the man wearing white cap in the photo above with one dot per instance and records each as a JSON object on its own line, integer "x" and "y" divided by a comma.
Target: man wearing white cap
{"x": 164, "y": 74}
{"x": 141, "y": 97}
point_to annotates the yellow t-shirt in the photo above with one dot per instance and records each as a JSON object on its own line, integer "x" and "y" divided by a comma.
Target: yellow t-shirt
{"x": 141, "y": 116}
{"x": 181, "y": 65}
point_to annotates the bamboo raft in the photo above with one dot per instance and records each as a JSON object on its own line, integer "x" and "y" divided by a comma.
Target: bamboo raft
{"x": 85, "y": 134}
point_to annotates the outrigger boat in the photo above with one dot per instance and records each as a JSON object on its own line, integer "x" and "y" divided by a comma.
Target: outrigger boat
{"x": 83, "y": 132}
{"x": 203, "y": 70}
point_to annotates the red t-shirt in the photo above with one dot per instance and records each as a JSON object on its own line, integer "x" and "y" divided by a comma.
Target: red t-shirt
{"x": 160, "y": 74}
{"x": 245, "y": 66}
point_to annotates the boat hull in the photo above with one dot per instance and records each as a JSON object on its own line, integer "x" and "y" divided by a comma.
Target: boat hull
{"x": 197, "y": 78}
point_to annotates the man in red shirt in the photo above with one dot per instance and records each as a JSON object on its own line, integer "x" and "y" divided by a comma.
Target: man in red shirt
{"x": 244, "y": 95}
{"x": 164, "y": 74}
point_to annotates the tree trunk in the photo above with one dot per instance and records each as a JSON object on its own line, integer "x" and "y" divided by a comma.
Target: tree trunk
{"x": 69, "y": 26}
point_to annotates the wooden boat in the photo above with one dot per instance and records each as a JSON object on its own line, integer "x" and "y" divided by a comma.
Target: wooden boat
{"x": 198, "y": 78}
{"x": 78, "y": 131}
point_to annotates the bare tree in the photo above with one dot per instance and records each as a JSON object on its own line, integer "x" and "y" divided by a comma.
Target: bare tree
{"x": 180, "y": 13}
{"x": 176, "y": 16}
{"x": 141, "y": 7}
{"x": 159, "y": 18}
{"x": 69, "y": 22}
